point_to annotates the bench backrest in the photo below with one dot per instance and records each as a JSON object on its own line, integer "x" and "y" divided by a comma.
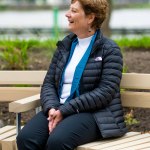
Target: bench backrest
{"x": 15, "y": 85}
{"x": 135, "y": 87}
{"x": 135, "y": 90}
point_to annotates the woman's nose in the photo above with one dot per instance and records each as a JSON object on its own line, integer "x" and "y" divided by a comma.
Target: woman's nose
{"x": 67, "y": 14}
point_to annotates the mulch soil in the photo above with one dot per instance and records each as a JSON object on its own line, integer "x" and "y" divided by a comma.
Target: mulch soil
{"x": 137, "y": 61}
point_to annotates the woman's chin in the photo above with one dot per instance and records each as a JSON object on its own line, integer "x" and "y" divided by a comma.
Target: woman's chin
{"x": 70, "y": 28}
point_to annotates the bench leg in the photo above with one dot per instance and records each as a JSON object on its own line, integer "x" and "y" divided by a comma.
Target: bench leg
{"x": 18, "y": 122}
{"x": 18, "y": 119}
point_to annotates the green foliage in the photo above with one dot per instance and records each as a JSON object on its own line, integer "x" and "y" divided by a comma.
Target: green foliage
{"x": 129, "y": 119}
{"x": 15, "y": 56}
{"x": 45, "y": 45}
{"x": 142, "y": 42}
{"x": 15, "y": 52}
{"x": 33, "y": 44}
{"x": 125, "y": 68}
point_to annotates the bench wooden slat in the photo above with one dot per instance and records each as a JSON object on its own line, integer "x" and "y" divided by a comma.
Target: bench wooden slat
{"x": 120, "y": 141}
{"x": 8, "y": 140}
{"x": 135, "y": 81}
{"x": 7, "y": 134}
{"x": 6, "y": 129}
{"x": 125, "y": 145}
{"x": 144, "y": 146}
{"x": 9, "y": 94}
{"x": 25, "y": 104}
{"x": 9, "y": 143}
{"x": 92, "y": 144}
{"x": 135, "y": 99}
{"x": 147, "y": 148}
{"x": 22, "y": 77}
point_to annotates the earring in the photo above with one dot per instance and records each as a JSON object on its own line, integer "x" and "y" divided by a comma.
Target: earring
{"x": 89, "y": 29}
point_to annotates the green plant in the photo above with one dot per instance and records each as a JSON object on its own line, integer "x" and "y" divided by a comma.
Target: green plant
{"x": 15, "y": 53}
{"x": 141, "y": 42}
{"x": 129, "y": 118}
{"x": 125, "y": 68}
{"x": 15, "y": 57}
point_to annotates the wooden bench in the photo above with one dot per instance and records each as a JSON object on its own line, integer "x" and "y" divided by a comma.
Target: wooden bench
{"x": 16, "y": 85}
{"x": 135, "y": 93}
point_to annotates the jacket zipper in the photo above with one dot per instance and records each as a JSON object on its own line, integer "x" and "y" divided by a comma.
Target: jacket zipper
{"x": 60, "y": 45}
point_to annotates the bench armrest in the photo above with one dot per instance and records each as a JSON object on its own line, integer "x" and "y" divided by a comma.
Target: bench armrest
{"x": 25, "y": 104}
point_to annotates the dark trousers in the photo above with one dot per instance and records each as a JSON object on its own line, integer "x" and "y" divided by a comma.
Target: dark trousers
{"x": 71, "y": 132}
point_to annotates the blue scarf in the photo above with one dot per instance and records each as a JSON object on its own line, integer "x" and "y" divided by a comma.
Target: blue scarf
{"x": 79, "y": 69}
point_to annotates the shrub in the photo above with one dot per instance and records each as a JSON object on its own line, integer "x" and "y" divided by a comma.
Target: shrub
{"x": 129, "y": 118}
{"x": 15, "y": 57}
{"x": 14, "y": 53}
{"x": 142, "y": 42}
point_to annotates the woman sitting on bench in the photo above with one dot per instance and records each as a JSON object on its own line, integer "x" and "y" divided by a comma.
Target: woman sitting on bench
{"x": 80, "y": 95}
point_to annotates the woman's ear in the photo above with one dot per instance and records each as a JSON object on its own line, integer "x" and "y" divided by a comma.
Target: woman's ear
{"x": 91, "y": 18}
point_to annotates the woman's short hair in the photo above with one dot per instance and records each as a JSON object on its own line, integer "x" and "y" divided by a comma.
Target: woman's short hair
{"x": 98, "y": 7}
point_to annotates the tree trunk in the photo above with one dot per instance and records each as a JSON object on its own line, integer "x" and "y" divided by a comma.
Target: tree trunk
{"x": 105, "y": 26}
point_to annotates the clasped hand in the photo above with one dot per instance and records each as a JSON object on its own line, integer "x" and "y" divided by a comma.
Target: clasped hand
{"x": 54, "y": 117}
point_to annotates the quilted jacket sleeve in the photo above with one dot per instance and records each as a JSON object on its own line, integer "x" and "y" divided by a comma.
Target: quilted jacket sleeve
{"x": 49, "y": 97}
{"x": 108, "y": 86}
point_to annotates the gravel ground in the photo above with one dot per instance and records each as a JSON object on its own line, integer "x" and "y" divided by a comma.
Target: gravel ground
{"x": 137, "y": 61}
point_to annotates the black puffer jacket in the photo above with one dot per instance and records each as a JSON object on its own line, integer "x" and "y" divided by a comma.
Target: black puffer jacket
{"x": 99, "y": 85}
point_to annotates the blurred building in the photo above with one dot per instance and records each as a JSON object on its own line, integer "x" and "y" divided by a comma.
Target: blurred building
{"x": 38, "y": 19}
{"x": 61, "y": 2}
{"x": 36, "y": 2}
{"x": 130, "y": 1}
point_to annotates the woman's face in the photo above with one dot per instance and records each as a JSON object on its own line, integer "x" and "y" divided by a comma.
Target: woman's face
{"x": 79, "y": 23}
